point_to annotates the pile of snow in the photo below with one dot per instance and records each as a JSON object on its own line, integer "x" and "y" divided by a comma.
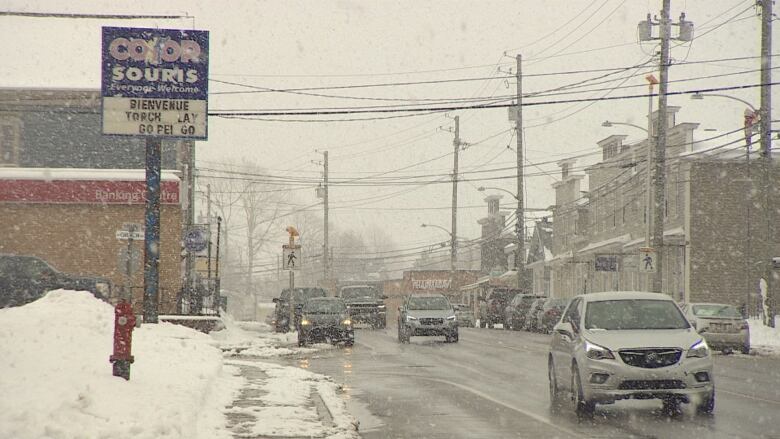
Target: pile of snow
{"x": 763, "y": 338}
{"x": 56, "y": 380}
{"x": 257, "y": 340}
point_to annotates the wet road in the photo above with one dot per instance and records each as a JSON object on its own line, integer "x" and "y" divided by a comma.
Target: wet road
{"x": 493, "y": 384}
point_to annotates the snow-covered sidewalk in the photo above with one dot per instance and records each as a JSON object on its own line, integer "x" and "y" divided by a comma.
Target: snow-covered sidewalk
{"x": 763, "y": 339}
{"x": 56, "y": 381}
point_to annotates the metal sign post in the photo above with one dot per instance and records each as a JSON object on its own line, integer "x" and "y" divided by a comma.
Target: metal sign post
{"x": 154, "y": 85}
{"x": 289, "y": 262}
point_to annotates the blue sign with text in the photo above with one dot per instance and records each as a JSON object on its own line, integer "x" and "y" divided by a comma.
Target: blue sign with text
{"x": 155, "y": 63}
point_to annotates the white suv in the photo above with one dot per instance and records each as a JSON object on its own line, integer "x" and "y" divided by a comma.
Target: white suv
{"x": 620, "y": 345}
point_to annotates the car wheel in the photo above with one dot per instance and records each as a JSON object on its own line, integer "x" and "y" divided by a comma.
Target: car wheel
{"x": 301, "y": 340}
{"x": 555, "y": 394}
{"x": 507, "y": 325}
{"x": 745, "y": 349}
{"x": 454, "y": 338}
{"x": 349, "y": 343}
{"x": 707, "y": 406}
{"x": 584, "y": 408}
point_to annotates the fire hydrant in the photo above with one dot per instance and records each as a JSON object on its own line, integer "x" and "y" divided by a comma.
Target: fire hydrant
{"x": 124, "y": 322}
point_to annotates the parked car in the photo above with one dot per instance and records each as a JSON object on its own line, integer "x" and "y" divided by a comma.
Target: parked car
{"x": 24, "y": 279}
{"x": 497, "y": 301}
{"x": 465, "y": 314}
{"x": 552, "y": 309}
{"x": 427, "y": 315}
{"x": 325, "y": 319}
{"x": 365, "y": 305}
{"x": 620, "y": 345}
{"x": 282, "y": 309}
{"x": 723, "y": 326}
{"x": 531, "y": 322}
{"x": 515, "y": 312}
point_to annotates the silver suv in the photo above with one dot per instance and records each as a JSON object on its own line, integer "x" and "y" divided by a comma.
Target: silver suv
{"x": 427, "y": 314}
{"x": 620, "y": 345}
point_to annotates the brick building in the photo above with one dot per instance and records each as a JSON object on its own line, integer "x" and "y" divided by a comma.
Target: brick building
{"x": 55, "y": 164}
{"x": 714, "y": 228}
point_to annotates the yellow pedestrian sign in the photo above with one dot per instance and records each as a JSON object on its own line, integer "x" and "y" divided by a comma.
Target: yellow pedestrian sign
{"x": 291, "y": 257}
{"x": 647, "y": 260}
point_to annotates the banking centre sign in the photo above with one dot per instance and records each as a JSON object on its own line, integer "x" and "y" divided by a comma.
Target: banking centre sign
{"x": 155, "y": 82}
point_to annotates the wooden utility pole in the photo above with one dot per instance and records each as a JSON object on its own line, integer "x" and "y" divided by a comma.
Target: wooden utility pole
{"x": 454, "y": 230}
{"x": 765, "y": 116}
{"x": 520, "y": 213}
{"x": 660, "y": 151}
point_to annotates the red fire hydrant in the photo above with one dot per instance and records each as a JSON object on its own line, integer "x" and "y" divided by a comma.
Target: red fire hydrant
{"x": 124, "y": 322}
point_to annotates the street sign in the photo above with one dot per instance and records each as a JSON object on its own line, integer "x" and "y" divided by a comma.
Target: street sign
{"x": 124, "y": 234}
{"x": 196, "y": 239}
{"x": 647, "y": 259}
{"x": 291, "y": 257}
{"x": 155, "y": 82}
{"x": 606, "y": 263}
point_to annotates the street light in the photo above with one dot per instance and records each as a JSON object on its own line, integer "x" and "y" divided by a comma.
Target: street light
{"x": 608, "y": 124}
{"x": 751, "y": 114}
{"x": 453, "y": 256}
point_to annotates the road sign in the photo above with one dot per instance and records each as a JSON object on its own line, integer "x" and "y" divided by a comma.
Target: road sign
{"x": 291, "y": 257}
{"x": 647, "y": 259}
{"x": 196, "y": 239}
{"x": 155, "y": 82}
{"x": 606, "y": 263}
{"x": 136, "y": 235}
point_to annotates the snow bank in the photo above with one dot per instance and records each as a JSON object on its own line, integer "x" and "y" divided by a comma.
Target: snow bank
{"x": 259, "y": 341}
{"x": 763, "y": 338}
{"x": 56, "y": 380}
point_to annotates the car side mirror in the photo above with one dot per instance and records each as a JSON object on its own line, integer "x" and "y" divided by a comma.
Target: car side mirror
{"x": 564, "y": 328}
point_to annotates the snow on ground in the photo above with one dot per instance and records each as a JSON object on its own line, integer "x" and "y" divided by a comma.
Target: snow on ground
{"x": 763, "y": 339}
{"x": 56, "y": 380}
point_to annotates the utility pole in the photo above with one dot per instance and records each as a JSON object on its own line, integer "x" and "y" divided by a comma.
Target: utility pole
{"x": 325, "y": 246}
{"x": 208, "y": 221}
{"x": 189, "y": 147}
{"x": 453, "y": 245}
{"x": 660, "y": 151}
{"x": 765, "y": 116}
{"x": 520, "y": 213}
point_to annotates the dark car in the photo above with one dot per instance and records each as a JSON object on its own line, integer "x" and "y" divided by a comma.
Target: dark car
{"x": 531, "y": 316}
{"x": 365, "y": 305}
{"x": 24, "y": 279}
{"x": 325, "y": 319}
{"x": 281, "y": 320}
{"x": 515, "y": 312}
{"x": 427, "y": 315}
{"x": 496, "y": 304}
{"x": 552, "y": 309}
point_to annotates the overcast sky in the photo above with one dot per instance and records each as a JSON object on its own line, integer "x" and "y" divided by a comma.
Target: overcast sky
{"x": 296, "y": 44}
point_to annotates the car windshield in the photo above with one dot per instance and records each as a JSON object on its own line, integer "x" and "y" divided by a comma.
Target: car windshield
{"x": 325, "y": 307}
{"x": 716, "y": 310}
{"x": 429, "y": 303}
{"x": 359, "y": 293}
{"x": 301, "y": 294}
{"x": 634, "y": 314}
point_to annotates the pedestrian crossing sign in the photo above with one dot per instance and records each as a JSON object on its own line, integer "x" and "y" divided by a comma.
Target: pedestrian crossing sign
{"x": 291, "y": 257}
{"x": 647, "y": 260}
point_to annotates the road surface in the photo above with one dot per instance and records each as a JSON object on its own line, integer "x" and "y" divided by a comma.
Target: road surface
{"x": 493, "y": 384}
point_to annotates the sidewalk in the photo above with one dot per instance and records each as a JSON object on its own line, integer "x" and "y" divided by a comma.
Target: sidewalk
{"x": 279, "y": 401}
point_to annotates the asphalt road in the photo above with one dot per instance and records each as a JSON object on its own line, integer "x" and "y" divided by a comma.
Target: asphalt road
{"x": 493, "y": 384}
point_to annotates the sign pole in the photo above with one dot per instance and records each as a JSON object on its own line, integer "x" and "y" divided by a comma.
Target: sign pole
{"x": 292, "y": 289}
{"x": 152, "y": 231}
{"x": 128, "y": 294}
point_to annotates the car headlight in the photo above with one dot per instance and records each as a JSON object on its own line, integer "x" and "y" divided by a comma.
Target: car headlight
{"x": 698, "y": 350}
{"x": 451, "y": 318}
{"x": 596, "y": 352}
{"x": 305, "y": 322}
{"x": 346, "y": 322}
{"x": 410, "y": 318}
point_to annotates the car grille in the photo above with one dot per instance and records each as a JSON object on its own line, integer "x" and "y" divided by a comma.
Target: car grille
{"x": 650, "y": 358}
{"x": 431, "y": 322}
{"x": 651, "y": 385}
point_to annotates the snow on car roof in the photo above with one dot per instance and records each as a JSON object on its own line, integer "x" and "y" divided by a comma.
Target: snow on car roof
{"x": 625, "y": 295}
